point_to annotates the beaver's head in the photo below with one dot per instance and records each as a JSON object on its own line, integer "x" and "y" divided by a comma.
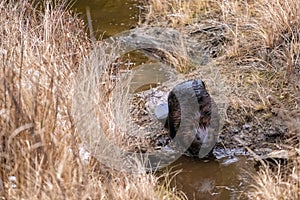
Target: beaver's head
{"x": 189, "y": 113}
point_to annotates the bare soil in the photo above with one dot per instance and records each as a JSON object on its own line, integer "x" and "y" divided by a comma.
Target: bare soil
{"x": 260, "y": 101}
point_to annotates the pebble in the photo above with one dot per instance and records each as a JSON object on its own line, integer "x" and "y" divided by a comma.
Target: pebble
{"x": 157, "y": 148}
{"x": 246, "y": 126}
{"x": 159, "y": 94}
{"x": 235, "y": 130}
{"x": 161, "y": 112}
{"x": 230, "y": 161}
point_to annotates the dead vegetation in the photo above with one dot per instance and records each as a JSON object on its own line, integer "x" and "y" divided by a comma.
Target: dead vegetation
{"x": 256, "y": 47}
{"x": 175, "y": 13}
{"x": 279, "y": 183}
{"x": 41, "y": 49}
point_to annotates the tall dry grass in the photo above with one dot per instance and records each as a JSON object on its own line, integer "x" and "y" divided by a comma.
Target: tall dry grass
{"x": 175, "y": 13}
{"x": 280, "y": 183}
{"x": 264, "y": 32}
{"x": 265, "y": 35}
{"x": 261, "y": 47}
{"x": 41, "y": 48}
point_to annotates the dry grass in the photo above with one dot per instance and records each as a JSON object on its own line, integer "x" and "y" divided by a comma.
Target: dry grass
{"x": 265, "y": 39}
{"x": 175, "y": 13}
{"x": 259, "y": 59}
{"x": 280, "y": 183}
{"x": 41, "y": 49}
{"x": 264, "y": 32}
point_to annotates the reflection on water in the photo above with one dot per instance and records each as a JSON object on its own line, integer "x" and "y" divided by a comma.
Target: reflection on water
{"x": 109, "y": 16}
{"x": 211, "y": 179}
{"x": 220, "y": 179}
{"x": 152, "y": 74}
{"x": 223, "y": 178}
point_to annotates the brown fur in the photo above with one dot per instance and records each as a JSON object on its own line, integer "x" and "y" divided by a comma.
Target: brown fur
{"x": 198, "y": 117}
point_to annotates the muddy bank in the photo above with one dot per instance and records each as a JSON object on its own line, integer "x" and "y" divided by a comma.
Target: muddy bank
{"x": 250, "y": 118}
{"x": 240, "y": 130}
{"x": 259, "y": 128}
{"x": 254, "y": 126}
{"x": 255, "y": 117}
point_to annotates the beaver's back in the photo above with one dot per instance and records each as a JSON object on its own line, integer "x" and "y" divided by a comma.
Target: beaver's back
{"x": 191, "y": 101}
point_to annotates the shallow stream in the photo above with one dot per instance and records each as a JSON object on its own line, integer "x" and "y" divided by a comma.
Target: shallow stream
{"x": 109, "y": 16}
{"x": 222, "y": 178}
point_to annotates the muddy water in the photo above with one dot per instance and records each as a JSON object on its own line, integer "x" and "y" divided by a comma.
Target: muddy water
{"x": 149, "y": 75}
{"x": 222, "y": 178}
{"x": 109, "y": 16}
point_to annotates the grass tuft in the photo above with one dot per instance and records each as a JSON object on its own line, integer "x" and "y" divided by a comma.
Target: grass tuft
{"x": 41, "y": 156}
{"x": 256, "y": 47}
{"x": 280, "y": 183}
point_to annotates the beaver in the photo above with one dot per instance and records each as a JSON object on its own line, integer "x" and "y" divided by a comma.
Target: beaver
{"x": 189, "y": 116}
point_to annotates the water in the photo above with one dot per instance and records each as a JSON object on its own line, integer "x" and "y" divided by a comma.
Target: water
{"x": 109, "y": 16}
{"x": 214, "y": 179}
{"x": 150, "y": 75}
{"x": 222, "y": 178}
